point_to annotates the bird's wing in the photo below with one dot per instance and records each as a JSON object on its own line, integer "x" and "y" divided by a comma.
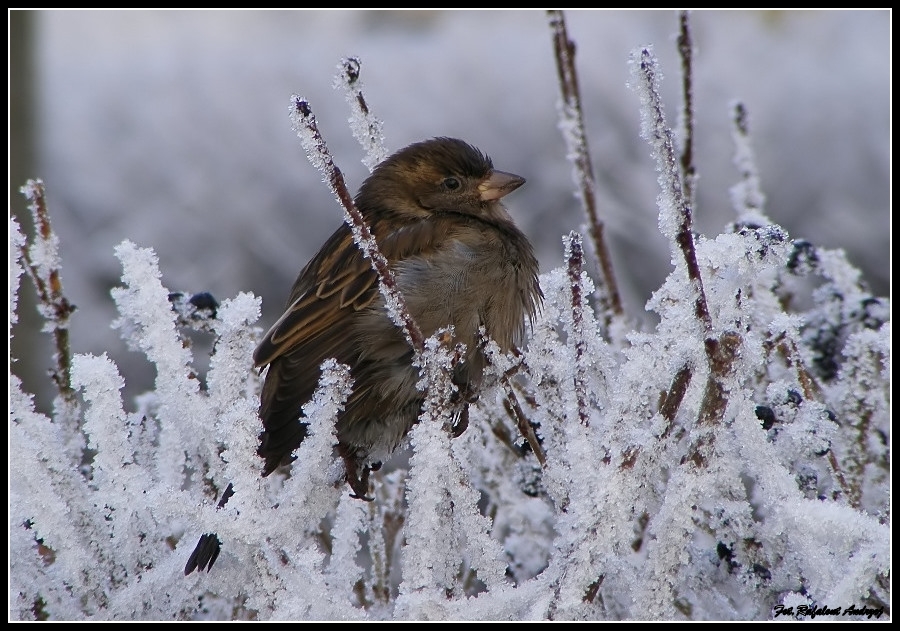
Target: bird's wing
{"x": 336, "y": 283}
{"x": 318, "y": 323}
{"x": 332, "y": 287}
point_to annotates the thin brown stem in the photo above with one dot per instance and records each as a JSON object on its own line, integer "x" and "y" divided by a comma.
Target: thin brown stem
{"x": 576, "y": 140}
{"x": 750, "y": 199}
{"x": 593, "y": 590}
{"x": 672, "y": 399}
{"x": 523, "y": 424}
{"x": 721, "y": 354}
{"x": 686, "y": 51}
{"x": 45, "y": 276}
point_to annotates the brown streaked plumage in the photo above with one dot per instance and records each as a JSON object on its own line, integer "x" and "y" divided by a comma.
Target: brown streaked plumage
{"x": 434, "y": 209}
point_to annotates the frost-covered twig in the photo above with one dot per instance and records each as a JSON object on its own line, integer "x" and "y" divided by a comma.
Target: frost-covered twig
{"x": 686, "y": 50}
{"x": 506, "y": 367}
{"x": 304, "y": 123}
{"x": 41, "y": 260}
{"x": 676, "y": 223}
{"x": 148, "y": 324}
{"x": 17, "y": 243}
{"x": 366, "y": 127}
{"x": 343, "y": 571}
{"x": 431, "y": 567}
{"x": 52, "y": 519}
{"x": 748, "y": 201}
{"x": 868, "y": 455}
{"x": 675, "y": 210}
{"x": 746, "y": 197}
{"x": 387, "y": 517}
{"x": 575, "y": 261}
{"x": 233, "y": 395}
{"x": 442, "y": 503}
{"x": 571, "y": 125}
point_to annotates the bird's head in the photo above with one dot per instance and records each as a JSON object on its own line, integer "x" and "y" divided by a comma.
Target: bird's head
{"x": 442, "y": 175}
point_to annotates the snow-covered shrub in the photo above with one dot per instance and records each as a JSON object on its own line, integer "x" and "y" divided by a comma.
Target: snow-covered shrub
{"x": 731, "y": 463}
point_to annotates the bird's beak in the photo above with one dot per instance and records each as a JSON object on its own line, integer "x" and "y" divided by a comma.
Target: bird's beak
{"x": 498, "y": 184}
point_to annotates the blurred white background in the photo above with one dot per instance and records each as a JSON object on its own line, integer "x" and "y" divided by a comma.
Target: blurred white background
{"x": 171, "y": 129}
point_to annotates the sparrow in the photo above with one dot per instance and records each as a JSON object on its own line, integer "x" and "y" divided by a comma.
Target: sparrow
{"x": 434, "y": 208}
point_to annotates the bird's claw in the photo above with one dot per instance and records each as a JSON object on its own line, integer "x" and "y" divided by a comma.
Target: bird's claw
{"x": 357, "y": 477}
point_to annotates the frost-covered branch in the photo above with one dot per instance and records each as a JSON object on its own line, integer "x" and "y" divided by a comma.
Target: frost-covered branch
{"x": 746, "y": 197}
{"x": 675, "y": 212}
{"x": 366, "y": 127}
{"x": 575, "y": 259}
{"x": 304, "y": 123}
{"x": 149, "y": 324}
{"x": 442, "y": 505}
{"x": 41, "y": 263}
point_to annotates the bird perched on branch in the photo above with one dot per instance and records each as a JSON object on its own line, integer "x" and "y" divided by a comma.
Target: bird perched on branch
{"x": 458, "y": 259}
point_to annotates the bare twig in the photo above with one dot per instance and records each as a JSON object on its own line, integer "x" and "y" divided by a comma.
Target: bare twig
{"x": 307, "y": 129}
{"x": 42, "y": 267}
{"x": 593, "y": 590}
{"x": 721, "y": 353}
{"x": 522, "y": 422}
{"x": 672, "y": 399}
{"x": 572, "y": 125}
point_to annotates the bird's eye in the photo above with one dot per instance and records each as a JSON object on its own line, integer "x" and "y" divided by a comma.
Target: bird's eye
{"x": 451, "y": 183}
